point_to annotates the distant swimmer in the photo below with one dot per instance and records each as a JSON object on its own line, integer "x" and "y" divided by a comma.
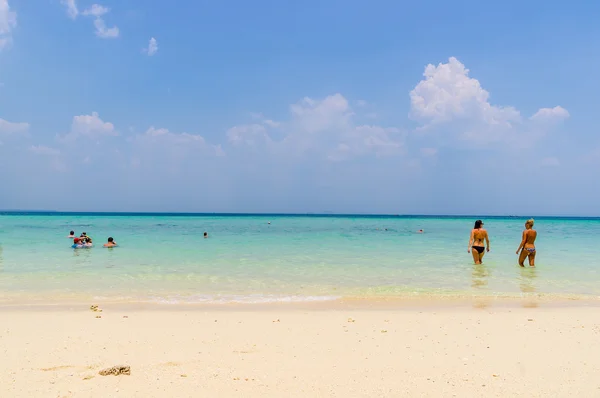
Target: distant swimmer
{"x": 478, "y": 235}
{"x": 420, "y": 231}
{"x": 111, "y": 243}
{"x": 527, "y": 247}
{"x": 269, "y": 223}
{"x": 206, "y": 235}
{"x": 77, "y": 243}
{"x": 71, "y": 235}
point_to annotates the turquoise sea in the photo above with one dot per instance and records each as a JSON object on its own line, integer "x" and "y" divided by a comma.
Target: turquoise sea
{"x": 164, "y": 258}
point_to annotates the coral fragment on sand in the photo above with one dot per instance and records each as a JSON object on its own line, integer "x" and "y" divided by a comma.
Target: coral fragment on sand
{"x": 116, "y": 370}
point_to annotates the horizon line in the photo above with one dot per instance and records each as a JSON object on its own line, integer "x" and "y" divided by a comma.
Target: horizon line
{"x": 324, "y": 214}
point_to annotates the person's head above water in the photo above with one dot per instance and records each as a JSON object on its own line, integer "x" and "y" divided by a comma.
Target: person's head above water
{"x": 110, "y": 240}
{"x": 206, "y": 234}
{"x": 529, "y": 223}
{"x": 72, "y": 233}
{"x": 478, "y": 224}
{"x": 76, "y": 240}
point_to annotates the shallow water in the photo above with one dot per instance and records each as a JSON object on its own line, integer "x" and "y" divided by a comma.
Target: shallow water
{"x": 295, "y": 258}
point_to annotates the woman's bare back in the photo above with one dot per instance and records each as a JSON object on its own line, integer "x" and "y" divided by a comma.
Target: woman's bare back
{"x": 530, "y": 235}
{"x": 479, "y": 235}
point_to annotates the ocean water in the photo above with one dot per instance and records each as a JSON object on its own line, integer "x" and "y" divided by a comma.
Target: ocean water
{"x": 164, "y": 258}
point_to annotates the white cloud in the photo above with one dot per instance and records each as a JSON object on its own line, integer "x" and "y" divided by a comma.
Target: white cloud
{"x": 452, "y": 103}
{"x": 333, "y": 112}
{"x": 72, "y": 10}
{"x": 44, "y": 150}
{"x": 448, "y": 93}
{"x": 161, "y": 134}
{"x": 378, "y": 138}
{"x": 264, "y": 120}
{"x": 103, "y": 32}
{"x": 271, "y": 123}
{"x": 152, "y": 47}
{"x": 154, "y": 132}
{"x": 557, "y": 113}
{"x": 7, "y": 128}
{"x": 319, "y": 126}
{"x": 97, "y": 11}
{"x": 177, "y": 146}
{"x": 251, "y": 134}
{"x": 92, "y": 126}
{"x": 8, "y": 21}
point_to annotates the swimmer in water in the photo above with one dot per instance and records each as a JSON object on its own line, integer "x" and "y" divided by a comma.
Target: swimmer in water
{"x": 71, "y": 235}
{"x": 527, "y": 247}
{"x": 111, "y": 243}
{"x": 420, "y": 231}
{"x": 478, "y": 235}
{"x": 205, "y": 235}
{"x": 77, "y": 243}
{"x": 85, "y": 238}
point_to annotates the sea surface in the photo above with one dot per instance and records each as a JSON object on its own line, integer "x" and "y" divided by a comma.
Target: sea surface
{"x": 263, "y": 258}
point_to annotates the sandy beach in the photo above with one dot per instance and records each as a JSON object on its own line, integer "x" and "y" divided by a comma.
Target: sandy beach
{"x": 285, "y": 350}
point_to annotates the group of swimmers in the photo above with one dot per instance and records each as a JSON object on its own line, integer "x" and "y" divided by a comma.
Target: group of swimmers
{"x": 526, "y": 249}
{"x": 85, "y": 241}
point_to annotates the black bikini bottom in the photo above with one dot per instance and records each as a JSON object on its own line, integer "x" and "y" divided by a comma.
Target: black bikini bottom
{"x": 479, "y": 249}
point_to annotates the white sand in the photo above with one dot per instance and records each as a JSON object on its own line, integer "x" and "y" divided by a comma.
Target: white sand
{"x": 290, "y": 352}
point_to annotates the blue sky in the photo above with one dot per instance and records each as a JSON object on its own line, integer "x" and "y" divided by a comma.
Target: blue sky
{"x": 352, "y": 107}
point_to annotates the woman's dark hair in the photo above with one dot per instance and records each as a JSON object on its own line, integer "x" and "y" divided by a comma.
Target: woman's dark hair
{"x": 110, "y": 239}
{"x": 478, "y": 224}
{"x": 72, "y": 233}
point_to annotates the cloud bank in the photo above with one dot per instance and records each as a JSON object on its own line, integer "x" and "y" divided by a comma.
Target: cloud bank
{"x": 320, "y": 155}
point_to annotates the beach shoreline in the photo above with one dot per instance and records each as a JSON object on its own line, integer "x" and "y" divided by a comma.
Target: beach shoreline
{"x": 415, "y": 302}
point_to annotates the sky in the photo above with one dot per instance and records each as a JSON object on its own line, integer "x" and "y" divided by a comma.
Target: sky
{"x": 385, "y": 107}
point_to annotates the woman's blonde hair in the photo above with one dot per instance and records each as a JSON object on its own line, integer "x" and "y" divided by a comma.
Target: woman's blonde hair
{"x": 530, "y": 222}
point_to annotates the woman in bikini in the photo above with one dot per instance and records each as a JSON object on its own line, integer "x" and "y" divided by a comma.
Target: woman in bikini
{"x": 527, "y": 246}
{"x": 478, "y": 235}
